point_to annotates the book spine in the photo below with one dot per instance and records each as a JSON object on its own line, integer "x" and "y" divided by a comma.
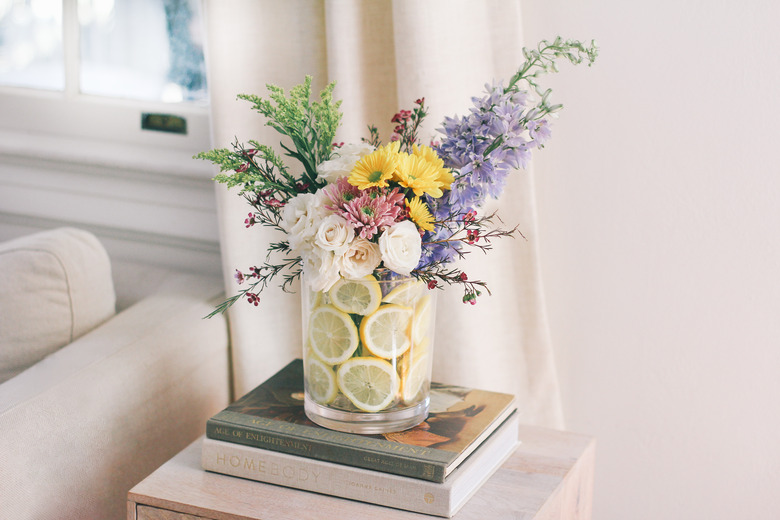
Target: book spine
{"x": 325, "y": 451}
{"x": 326, "y": 478}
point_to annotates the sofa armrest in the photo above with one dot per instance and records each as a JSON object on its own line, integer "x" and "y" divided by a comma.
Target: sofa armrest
{"x": 81, "y": 427}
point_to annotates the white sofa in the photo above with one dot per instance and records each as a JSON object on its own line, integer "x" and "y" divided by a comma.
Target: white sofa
{"x": 94, "y": 400}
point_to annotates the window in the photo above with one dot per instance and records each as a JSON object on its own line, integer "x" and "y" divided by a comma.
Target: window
{"x": 154, "y": 54}
{"x": 90, "y": 70}
{"x": 31, "y": 52}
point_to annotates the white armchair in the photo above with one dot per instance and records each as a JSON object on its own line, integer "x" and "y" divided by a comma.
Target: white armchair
{"x": 92, "y": 418}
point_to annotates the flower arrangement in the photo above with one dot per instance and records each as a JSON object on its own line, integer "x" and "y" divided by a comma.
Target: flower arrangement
{"x": 409, "y": 207}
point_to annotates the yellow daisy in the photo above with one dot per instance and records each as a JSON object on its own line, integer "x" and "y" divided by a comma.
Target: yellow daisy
{"x": 392, "y": 147}
{"x": 374, "y": 169}
{"x": 418, "y": 212}
{"x": 428, "y": 153}
{"x": 420, "y": 175}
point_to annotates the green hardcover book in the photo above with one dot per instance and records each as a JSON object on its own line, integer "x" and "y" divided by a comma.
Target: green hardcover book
{"x": 271, "y": 417}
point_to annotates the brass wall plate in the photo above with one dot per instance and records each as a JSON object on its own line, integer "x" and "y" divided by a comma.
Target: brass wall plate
{"x": 164, "y": 123}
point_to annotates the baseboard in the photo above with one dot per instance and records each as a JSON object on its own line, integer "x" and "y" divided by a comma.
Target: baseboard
{"x": 142, "y": 210}
{"x": 178, "y": 253}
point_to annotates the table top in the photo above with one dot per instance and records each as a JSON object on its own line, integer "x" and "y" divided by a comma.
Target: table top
{"x": 550, "y": 473}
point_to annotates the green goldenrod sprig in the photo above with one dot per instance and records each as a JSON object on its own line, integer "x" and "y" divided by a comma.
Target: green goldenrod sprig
{"x": 252, "y": 169}
{"x": 310, "y": 125}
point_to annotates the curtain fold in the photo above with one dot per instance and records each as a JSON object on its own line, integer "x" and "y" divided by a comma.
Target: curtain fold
{"x": 384, "y": 55}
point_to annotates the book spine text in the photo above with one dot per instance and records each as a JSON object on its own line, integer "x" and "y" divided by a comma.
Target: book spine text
{"x": 320, "y": 450}
{"x": 327, "y": 478}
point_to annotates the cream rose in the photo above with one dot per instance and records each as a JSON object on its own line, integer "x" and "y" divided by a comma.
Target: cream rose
{"x": 342, "y": 162}
{"x": 301, "y": 217}
{"x": 320, "y": 269}
{"x": 401, "y": 247}
{"x": 334, "y": 234}
{"x": 360, "y": 259}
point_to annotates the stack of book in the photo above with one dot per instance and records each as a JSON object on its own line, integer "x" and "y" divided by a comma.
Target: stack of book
{"x": 433, "y": 468}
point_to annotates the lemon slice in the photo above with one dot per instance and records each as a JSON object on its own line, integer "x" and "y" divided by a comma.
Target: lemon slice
{"x": 315, "y": 299}
{"x": 385, "y": 333}
{"x": 420, "y": 348}
{"x": 422, "y": 319}
{"x": 406, "y": 293}
{"x": 356, "y": 296}
{"x": 370, "y": 384}
{"x": 320, "y": 381}
{"x": 332, "y": 334}
{"x": 417, "y": 351}
{"x": 413, "y": 379}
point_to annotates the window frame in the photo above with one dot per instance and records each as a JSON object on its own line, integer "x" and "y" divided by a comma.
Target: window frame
{"x": 98, "y": 130}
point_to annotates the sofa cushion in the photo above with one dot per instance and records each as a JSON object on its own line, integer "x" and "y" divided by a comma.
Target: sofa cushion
{"x": 54, "y": 287}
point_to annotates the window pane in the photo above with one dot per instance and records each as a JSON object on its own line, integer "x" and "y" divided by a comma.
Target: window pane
{"x": 142, "y": 49}
{"x": 31, "y": 44}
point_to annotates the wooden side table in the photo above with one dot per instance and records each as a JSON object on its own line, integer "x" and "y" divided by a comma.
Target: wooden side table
{"x": 550, "y": 476}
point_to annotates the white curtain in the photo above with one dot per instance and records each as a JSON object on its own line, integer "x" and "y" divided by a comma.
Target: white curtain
{"x": 384, "y": 55}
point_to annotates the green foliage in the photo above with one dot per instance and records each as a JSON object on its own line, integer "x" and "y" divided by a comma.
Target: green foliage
{"x": 542, "y": 60}
{"x": 310, "y": 125}
{"x": 226, "y": 159}
{"x": 264, "y": 179}
{"x": 258, "y": 169}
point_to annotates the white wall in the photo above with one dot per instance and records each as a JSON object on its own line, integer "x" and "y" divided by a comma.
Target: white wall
{"x": 659, "y": 218}
{"x": 147, "y": 202}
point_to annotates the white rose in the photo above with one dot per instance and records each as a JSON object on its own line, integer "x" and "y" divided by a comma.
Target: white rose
{"x": 342, "y": 161}
{"x": 301, "y": 217}
{"x": 320, "y": 269}
{"x": 360, "y": 259}
{"x": 334, "y": 234}
{"x": 359, "y": 149}
{"x": 401, "y": 247}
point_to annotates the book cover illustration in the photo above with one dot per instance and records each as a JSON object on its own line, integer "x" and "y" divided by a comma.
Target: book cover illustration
{"x": 458, "y": 417}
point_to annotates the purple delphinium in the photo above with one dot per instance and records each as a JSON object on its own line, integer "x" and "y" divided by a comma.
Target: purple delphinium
{"x": 483, "y": 147}
{"x": 496, "y": 137}
{"x": 435, "y": 248}
{"x": 539, "y": 131}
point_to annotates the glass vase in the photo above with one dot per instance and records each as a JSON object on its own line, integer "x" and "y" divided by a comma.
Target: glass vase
{"x": 367, "y": 353}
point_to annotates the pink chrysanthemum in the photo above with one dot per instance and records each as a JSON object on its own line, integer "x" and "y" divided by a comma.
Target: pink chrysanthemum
{"x": 340, "y": 193}
{"x": 373, "y": 211}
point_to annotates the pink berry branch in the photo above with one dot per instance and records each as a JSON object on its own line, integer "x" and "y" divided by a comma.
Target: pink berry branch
{"x": 466, "y": 230}
{"x": 438, "y": 272}
{"x": 408, "y": 124}
{"x": 470, "y": 230}
{"x": 258, "y": 279}
{"x": 266, "y": 212}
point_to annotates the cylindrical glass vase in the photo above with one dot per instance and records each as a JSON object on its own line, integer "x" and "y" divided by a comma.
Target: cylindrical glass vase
{"x": 367, "y": 353}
